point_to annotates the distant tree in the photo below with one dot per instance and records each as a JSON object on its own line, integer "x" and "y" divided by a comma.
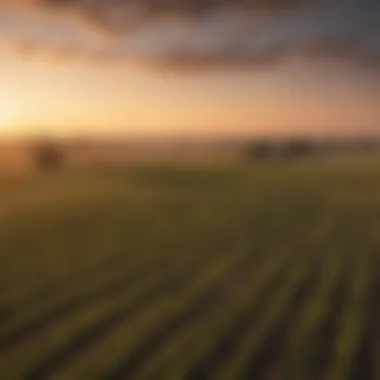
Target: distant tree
{"x": 47, "y": 156}
{"x": 368, "y": 145}
{"x": 298, "y": 148}
{"x": 261, "y": 150}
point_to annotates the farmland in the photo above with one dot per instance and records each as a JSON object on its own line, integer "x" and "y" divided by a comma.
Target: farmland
{"x": 225, "y": 272}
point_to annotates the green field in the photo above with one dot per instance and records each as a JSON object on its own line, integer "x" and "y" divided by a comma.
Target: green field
{"x": 264, "y": 271}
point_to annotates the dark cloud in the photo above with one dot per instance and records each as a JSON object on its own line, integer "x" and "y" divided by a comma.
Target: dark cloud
{"x": 225, "y": 33}
{"x": 159, "y": 7}
{"x": 182, "y": 60}
{"x": 125, "y": 15}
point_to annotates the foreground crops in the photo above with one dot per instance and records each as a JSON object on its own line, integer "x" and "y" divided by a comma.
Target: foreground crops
{"x": 191, "y": 273}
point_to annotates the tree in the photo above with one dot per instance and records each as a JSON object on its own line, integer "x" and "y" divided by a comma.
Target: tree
{"x": 261, "y": 150}
{"x": 298, "y": 148}
{"x": 47, "y": 155}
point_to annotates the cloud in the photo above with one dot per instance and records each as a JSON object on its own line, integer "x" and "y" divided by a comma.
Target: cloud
{"x": 120, "y": 16}
{"x": 205, "y": 34}
{"x": 346, "y": 33}
{"x": 61, "y": 53}
{"x": 192, "y": 61}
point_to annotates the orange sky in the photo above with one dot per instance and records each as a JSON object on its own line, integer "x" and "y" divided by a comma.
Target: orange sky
{"x": 40, "y": 96}
{"x": 66, "y": 92}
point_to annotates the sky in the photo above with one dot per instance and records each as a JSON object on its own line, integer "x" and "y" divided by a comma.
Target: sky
{"x": 189, "y": 67}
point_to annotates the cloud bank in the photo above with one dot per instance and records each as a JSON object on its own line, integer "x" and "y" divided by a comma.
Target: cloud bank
{"x": 203, "y": 34}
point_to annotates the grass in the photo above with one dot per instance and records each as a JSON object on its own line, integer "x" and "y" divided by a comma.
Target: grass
{"x": 225, "y": 272}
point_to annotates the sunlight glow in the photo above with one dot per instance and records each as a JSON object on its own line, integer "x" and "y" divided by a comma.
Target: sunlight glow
{"x": 8, "y": 115}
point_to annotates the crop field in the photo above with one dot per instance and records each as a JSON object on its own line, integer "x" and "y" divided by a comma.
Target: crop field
{"x": 264, "y": 271}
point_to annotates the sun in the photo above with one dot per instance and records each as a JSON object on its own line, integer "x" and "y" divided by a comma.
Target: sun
{"x": 8, "y": 114}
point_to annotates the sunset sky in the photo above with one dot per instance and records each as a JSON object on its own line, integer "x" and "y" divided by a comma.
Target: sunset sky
{"x": 196, "y": 68}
